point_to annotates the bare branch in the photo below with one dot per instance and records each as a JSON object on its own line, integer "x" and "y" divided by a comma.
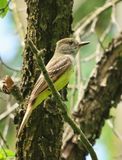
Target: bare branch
{"x": 80, "y": 28}
{"x": 8, "y": 86}
{"x": 6, "y": 113}
{"x": 117, "y": 134}
{"x": 4, "y": 141}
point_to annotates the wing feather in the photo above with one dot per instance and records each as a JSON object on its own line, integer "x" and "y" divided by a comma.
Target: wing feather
{"x": 55, "y": 68}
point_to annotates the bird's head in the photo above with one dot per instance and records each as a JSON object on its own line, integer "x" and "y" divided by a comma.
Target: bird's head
{"x": 69, "y": 46}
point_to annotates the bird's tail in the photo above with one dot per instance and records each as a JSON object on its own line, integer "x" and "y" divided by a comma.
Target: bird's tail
{"x": 25, "y": 119}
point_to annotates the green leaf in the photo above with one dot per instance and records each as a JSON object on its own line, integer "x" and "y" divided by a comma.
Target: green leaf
{"x": 2, "y": 157}
{"x": 9, "y": 154}
{"x": 3, "y": 7}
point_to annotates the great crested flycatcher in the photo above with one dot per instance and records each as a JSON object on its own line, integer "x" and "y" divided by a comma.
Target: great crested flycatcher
{"x": 59, "y": 68}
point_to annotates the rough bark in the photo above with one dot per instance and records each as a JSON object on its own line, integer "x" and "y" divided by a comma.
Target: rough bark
{"x": 47, "y": 22}
{"x": 103, "y": 92}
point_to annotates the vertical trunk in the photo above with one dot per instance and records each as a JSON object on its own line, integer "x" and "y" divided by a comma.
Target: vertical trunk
{"x": 47, "y": 22}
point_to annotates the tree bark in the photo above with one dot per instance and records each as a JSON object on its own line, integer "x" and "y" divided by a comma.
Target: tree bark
{"x": 103, "y": 92}
{"x": 47, "y": 22}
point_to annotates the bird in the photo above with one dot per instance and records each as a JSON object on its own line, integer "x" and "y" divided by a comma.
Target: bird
{"x": 59, "y": 69}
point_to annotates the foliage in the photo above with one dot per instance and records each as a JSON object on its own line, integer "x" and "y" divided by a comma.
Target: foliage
{"x": 3, "y": 8}
{"x": 6, "y": 154}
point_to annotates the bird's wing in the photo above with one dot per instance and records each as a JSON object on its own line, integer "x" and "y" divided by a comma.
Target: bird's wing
{"x": 55, "y": 68}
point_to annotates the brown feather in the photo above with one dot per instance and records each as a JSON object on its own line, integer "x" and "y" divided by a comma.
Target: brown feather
{"x": 55, "y": 69}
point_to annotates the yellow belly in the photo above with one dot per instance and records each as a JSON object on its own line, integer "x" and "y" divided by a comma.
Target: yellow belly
{"x": 59, "y": 84}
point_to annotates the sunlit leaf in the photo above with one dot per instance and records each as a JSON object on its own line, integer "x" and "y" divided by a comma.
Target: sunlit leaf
{"x": 2, "y": 157}
{"x": 8, "y": 152}
{"x": 3, "y": 7}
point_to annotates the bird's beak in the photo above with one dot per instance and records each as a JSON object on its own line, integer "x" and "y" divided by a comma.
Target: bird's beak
{"x": 83, "y": 43}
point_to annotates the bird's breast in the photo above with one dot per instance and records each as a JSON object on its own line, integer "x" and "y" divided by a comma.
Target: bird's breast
{"x": 63, "y": 79}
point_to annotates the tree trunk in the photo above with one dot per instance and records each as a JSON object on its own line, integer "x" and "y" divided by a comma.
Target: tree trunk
{"x": 47, "y": 22}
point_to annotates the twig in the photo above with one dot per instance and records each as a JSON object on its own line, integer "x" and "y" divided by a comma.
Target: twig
{"x": 8, "y": 86}
{"x": 3, "y": 150}
{"x": 73, "y": 91}
{"x": 114, "y": 20}
{"x": 6, "y": 113}
{"x": 78, "y": 65}
{"x": 5, "y": 130}
{"x": 72, "y": 86}
{"x": 62, "y": 106}
{"x": 93, "y": 25}
{"x": 4, "y": 141}
{"x": 79, "y": 29}
{"x": 79, "y": 77}
{"x": 11, "y": 116}
{"x": 117, "y": 134}
{"x": 89, "y": 58}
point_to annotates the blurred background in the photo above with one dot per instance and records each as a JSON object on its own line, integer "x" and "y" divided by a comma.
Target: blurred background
{"x": 96, "y": 21}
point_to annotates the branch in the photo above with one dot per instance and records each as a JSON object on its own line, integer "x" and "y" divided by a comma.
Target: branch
{"x": 8, "y": 87}
{"x": 4, "y": 141}
{"x": 80, "y": 28}
{"x": 8, "y": 112}
{"x": 62, "y": 106}
{"x": 103, "y": 91}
